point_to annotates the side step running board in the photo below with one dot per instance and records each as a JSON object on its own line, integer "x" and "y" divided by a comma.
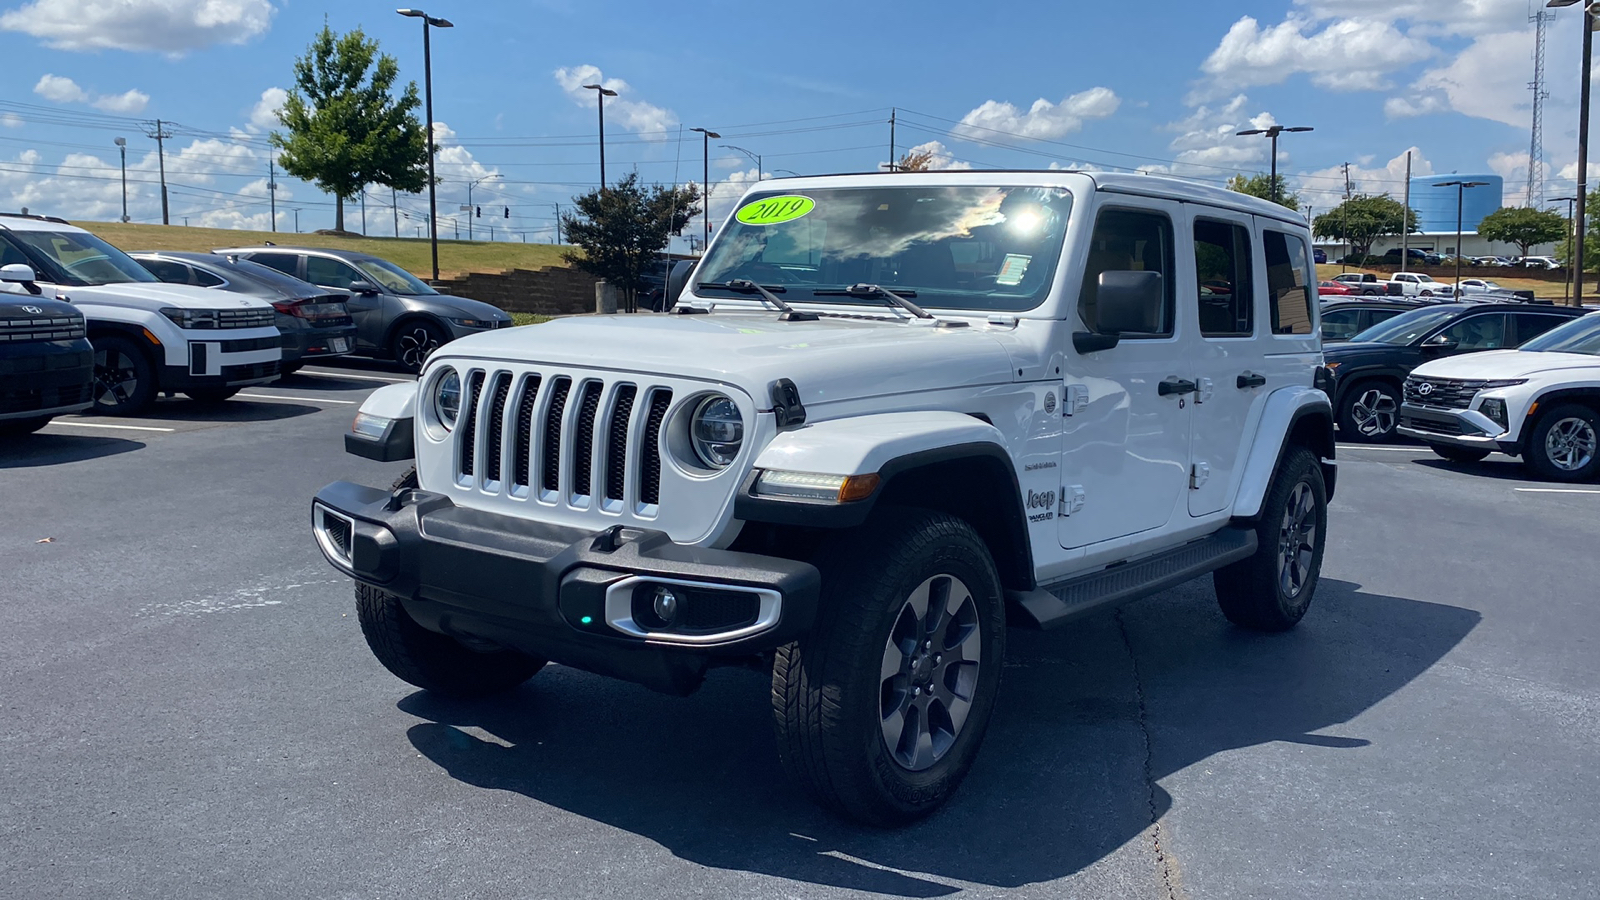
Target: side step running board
{"x": 1051, "y": 605}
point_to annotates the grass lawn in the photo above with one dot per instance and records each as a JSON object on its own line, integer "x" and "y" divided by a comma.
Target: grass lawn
{"x": 528, "y": 319}
{"x": 455, "y": 257}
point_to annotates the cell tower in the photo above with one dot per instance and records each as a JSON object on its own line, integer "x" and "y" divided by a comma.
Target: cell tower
{"x": 1535, "y": 197}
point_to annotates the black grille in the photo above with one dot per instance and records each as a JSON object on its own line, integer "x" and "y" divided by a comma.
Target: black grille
{"x": 1449, "y": 425}
{"x": 42, "y": 328}
{"x": 650, "y": 471}
{"x": 496, "y": 423}
{"x": 550, "y": 475}
{"x": 583, "y": 442}
{"x": 31, "y": 399}
{"x": 1443, "y": 393}
{"x": 617, "y": 443}
{"x": 699, "y": 610}
{"x": 250, "y": 371}
{"x": 338, "y": 532}
{"x": 469, "y": 423}
{"x": 245, "y": 345}
{"x": 522, "y": 445}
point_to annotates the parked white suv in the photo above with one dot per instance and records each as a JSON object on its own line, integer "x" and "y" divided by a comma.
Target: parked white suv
{"x": 1540, "y": 402}
{"x": 148, "y": 336}
{"x": 890, "y": 416}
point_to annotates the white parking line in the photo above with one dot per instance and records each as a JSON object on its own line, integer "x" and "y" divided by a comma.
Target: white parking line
{"x": 1390, "y": 449}
{"x": 1555, "y": 491}
{"x": 117, "y": 427}
{"x": 306, "y": 399}
{"x": 322, "y": 373}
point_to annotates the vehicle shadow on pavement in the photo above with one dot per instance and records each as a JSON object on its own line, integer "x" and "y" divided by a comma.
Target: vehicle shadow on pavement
{"x": 236, "y": 409}
{"x": 1502, "y": 469}
{"x": 1089, "y": 718}
{"x": 55, "y": 449}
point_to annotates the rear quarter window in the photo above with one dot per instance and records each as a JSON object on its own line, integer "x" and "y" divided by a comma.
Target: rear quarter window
{"x": 1289, "y": 283}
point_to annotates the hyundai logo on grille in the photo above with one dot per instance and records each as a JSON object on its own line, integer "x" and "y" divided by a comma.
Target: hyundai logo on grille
{"x": 34, "y": 310}
{"x": 1425, "y": 388}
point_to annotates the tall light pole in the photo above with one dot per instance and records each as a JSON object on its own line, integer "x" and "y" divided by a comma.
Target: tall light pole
{"x": 601, "y": 93}
{"x": 1272, "y": 133}
{"x": 1572, "y": 235}
{"x": 705, "y": 176}
{"x": 790, "y": 171}
{"x": 1583, "y": 144}
{"x": 754, "y": 156}
{"x": 1461, "y": 191}
{"x": 427, "y": 89}
{"x": 122, "y": 146}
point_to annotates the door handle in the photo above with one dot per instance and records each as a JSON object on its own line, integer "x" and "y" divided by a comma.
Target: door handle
{"x": 1175, "y": 385}
{"x": 1251, "y": 380}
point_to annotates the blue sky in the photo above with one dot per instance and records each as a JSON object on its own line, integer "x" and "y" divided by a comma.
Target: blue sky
{"x": 1160, "y": 85}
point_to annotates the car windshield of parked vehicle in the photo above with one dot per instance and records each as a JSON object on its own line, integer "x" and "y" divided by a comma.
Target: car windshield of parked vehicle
{"x": 951, "y": 247}
{"x": 81, "y": 258}
{"x": 1581, "y": 335}
{"x": 1406, "y": 328}
{"x": 391, "y": 278}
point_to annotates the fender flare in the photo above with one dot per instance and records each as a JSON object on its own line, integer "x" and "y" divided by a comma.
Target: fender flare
{"x": 397, "y": 405}
{"x": 1288, "y": 411}
{"x": 173, "y": 349}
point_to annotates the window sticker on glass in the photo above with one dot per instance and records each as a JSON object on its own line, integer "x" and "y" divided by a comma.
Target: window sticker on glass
{"x": 1012, "y": 269}
{"x": 776, "y": 210}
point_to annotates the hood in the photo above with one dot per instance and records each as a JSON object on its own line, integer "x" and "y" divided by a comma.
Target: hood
{"x": 1498, "y": 364}
{"x": 829, "y": 359}
{"x": 465, "y": 306}
{"x": 12, "y": 306}
{"x": 153, "y": 295}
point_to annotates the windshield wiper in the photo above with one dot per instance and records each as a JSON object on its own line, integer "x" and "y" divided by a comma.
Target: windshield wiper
{"x": 746, "y": 286}
{"x": 876, "y": 290}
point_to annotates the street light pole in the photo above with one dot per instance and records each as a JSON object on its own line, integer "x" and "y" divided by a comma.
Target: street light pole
{"x": 1566, "y": 283}
{"x": 1461, "y": 190}
{"x": 1583, "y": 146}
{"x": 427, "y": 90}
{"x": 472, "y": 210}
{"x": 122, "y": 146}
{"x": 705, "y": 176}
{"x": 601, "y": 93}
{"x": 755, "y": 156}
{"x": 1272, "y": 134}
{"x": 790, "y": 171}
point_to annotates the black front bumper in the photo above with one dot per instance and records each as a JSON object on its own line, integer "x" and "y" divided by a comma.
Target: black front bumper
{"x": 543, "y": 589}
{"x": 45, "y": 377}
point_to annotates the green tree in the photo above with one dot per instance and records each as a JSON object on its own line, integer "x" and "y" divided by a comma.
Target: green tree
{"x": 345, "y": 129}
{"x": 1523, "y": 226}
{"x": 622, "y": 229}
{"x": 1259, "y": 185}
{"x": 1363, "y": 219}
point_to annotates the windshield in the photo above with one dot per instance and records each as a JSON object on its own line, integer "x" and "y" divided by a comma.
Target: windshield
{"x": 75, "y": 257}
{"x": 952, "y": 247}
{"x": 1581, "y": 335}
{"x": 391, "y": 278}
{"x": 1407, "y": 327}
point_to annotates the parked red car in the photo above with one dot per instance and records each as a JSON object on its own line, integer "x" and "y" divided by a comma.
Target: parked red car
{"x": 1330, "y": 288}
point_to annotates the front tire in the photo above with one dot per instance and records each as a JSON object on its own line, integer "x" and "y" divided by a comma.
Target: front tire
{"x": 124, "y": 379}
{"x": 1459, "y": 454}
{"x": 1272, "y": 590}
{"x": 414, "y": 342}
{"x": 1369, "y": 412}
{"x": 881, "y": 707}
{"x": 432, "y": 661}
{"x": 1564, "y": 445}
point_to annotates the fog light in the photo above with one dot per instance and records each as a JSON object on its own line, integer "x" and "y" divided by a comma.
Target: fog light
{"x": 665, "y": 605}
{"x": 1495, "y": 409}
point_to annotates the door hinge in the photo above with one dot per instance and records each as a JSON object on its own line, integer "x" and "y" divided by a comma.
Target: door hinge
{"x": 1204, "y": 389}
{"x": 1074, "y": 399}
{"x": 1071, "y": 499}
{"x": 1199, "y": 474}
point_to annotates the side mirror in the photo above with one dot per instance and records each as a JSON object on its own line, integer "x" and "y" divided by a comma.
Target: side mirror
{"x": 363, "y": 287}
{"x": 17, "y": 273}
{"x": 677, "y": 280}
{"x": 1440, "y": 342}
{"x": 1125, "y": 301}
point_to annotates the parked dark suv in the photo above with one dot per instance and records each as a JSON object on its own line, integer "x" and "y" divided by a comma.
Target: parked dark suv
{"x": 398, "y": 316}
{"x": 1370, "y": 369}
{"x": 46, "y": 363}
{"x": 1344, "y": 319}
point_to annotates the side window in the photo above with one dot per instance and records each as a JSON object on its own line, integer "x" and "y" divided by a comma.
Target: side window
{"x": 287, "y": 263}
{"x": 1379, "y": 315}
{"x": 1124, "y": 240}
{"x": 206, "y": 279}
{"x": 330, "y": 272}
{"x": 169, "y": 272}
{"x": 1531, "y": 325}
{"x": 1340, "y": 324}
{"x": 1486, "y": 332}
{"x": 1288, "y": 282}
{"x": 1222, "y": 263}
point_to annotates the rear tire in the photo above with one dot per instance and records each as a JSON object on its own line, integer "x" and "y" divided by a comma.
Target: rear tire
{"x": 1272, "y": 590}
{"x": 1458, "y": 454}
{"x": 1563, "y": 445}
{"x": 211, "y": 395}
{"x": 20, "y": 427}
{"x": 1369, "y": 412}
{"x": 432, "y": 661}
{"x": 881, "y": 707}
{"x": 124, "y": 378}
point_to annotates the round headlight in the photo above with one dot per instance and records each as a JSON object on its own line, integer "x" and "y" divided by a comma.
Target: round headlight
{"x": 447, "y": 398}
{"x": 717, "y": 431}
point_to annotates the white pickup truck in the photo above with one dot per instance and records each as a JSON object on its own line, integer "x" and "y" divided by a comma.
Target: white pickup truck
{"x": 1415, "y": 284}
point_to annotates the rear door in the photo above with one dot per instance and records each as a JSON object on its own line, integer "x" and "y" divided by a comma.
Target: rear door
{"x": 366, "y": 309}
{"x": 1530, "y": 325}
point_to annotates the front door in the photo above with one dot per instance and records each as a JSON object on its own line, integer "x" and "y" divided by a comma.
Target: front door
{"x": 365, "y": 309}
{"x": 1125, "y": 461}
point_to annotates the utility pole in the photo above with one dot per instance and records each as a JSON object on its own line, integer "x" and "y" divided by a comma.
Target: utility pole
{"x": 272, "y": 190}
{"x": 394, "y": 206}
{"x": 122, "y": 145}
{"x": 1344, "y": 215}
{"x": 363, "y": 210}
{"x": 161, "y": 135}
{"x": 558, "y": 222}
{"x": 894, "y": 113}
{"x": 1405, "y": 220}
{"x": 296, "y": 220}
{"x": 1581, "y": 216}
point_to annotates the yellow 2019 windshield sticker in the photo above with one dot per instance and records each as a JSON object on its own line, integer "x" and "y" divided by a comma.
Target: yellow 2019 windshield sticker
{"x": 775, "y": 210}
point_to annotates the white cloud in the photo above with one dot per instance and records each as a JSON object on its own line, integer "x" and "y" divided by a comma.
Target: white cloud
{"x": 645, "y": 119}
{"x": 1207, "y": 139}
{"x": 11, "y": 120}
{"x": 1426, "y": 17}
{"x": 1043, "y": 120}
{"x": 1348, "y": 54}
{"x": 1474, "y": 83}
{"x": 1415, "y": 105}
{"x": 264, "y": 115}
{"x": 1323, "y": 189}
{"x": 58, "y": 89}
{"x": 130, "y": 102}
{"x": 172, "y": 27}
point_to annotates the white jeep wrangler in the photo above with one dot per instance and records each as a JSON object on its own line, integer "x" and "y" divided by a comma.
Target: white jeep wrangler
{"x": 890, "y": 416}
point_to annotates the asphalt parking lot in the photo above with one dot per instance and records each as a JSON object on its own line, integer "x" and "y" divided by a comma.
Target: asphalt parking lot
{"x": 192, "y": 711}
